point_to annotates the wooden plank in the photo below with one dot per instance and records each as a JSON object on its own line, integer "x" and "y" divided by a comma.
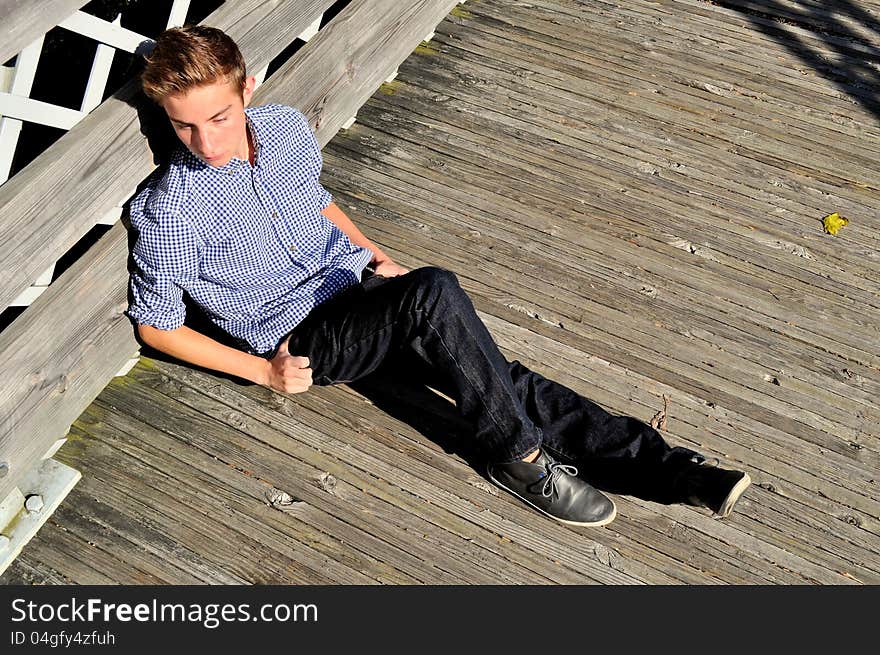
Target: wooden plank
{"x": 23, "y": 22}
{"x": 858, "y": 550}
{"x": 433, "y": 248}
{"x": 849, "y": 20}
{"x": 52, "y": 386}
{"x": 133, "y": 556}
{"x": 463, "y": 482}
{"x": 517, "y": 345}
{"x": 257, "y": 553}
{"x": 242, "y": 496}
{"x": 772, "y": 552}
{"x": 390, "y": 395}
{"x": 301, "y": 521}
{"x": 302, "y": 479}
{"x": 89, "y": 500}
{"x": 141, "y": 492}
{"x": 495, "y": 39}
{"x": 563, "y": 210}
{"x": 560, "y": 188}
{"x": 330, "y": 81}
{"x": 71, "y": 557}
{"x": 634, "y": 70}
{"x": 666, "y": 210}
{"x": 707, "y": 27}
{"x": 632, "y": 521}
{"x": 330, "y": 402}
{"x": 446, "y": 223}
{"x": 684, "y": 72}
{"x": 27, "y": 570}
{"x": 634, "y": 529}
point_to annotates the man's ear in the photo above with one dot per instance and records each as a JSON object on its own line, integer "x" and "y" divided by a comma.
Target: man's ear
{"x": 250, "y": 83}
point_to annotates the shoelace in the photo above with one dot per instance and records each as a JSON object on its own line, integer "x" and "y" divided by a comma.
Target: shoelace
{"x": 711, "y": 462}
{"x": 556, "y": 471}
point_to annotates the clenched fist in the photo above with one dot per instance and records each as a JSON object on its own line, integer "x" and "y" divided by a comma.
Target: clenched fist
{"x": 288, "y": 373}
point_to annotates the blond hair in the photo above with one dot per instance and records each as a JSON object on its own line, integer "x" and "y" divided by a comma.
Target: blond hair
{"x": 191, "y": 56}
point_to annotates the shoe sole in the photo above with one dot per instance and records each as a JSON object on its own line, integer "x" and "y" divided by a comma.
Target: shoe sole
{"x": 588, "y": 524}
{"x": 732, "y": 497}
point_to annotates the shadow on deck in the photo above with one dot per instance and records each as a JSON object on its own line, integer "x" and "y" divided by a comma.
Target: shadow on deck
{"x": 632, "y": 196}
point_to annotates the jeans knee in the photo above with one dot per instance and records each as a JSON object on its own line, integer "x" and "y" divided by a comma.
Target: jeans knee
{"x": 435, "y": 287}
{"x": 436, "y": 278}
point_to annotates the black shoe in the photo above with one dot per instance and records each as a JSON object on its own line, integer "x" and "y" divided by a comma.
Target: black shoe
{"x": 553, "y": 489}
{"x": 708, "y": 485}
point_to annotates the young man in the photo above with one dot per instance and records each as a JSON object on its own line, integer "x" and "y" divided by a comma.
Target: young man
{"x": 240, "y": 222}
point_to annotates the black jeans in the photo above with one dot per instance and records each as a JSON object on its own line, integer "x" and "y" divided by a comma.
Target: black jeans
{"x": 513, "y": 409}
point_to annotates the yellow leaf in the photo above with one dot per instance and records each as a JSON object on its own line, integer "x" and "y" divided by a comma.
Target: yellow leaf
{"x": 833, "y": 222}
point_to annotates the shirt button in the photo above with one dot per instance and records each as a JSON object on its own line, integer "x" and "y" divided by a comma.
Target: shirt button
{"x": 274, "y": 214}
{"x": 292, "y": 248}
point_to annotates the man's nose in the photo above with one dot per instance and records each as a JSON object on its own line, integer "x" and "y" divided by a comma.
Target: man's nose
{"x": 203, "y": 142}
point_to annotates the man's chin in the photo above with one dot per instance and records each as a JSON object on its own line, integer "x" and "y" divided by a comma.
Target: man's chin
{"x": 215, "y": 161}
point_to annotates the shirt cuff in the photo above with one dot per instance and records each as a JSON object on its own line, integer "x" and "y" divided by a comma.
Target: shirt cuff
{"x": 160, "y": 321}
{"x": 323, "y": 197}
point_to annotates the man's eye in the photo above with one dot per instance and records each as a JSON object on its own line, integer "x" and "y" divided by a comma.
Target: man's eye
{"x": 182, "y": 127}
{"x": 220, "y": 120}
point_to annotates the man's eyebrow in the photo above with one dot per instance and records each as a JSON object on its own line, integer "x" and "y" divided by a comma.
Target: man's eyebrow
{"x": 179, "y": 122}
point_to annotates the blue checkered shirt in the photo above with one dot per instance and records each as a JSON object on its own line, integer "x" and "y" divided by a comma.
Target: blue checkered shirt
{"x": 248, "y": 244}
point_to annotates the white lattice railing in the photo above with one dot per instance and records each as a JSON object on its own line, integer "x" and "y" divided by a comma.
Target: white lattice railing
{"x": 16, "y": 106}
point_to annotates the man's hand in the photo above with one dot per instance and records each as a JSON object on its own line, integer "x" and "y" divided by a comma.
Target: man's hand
{"x": 288, "y": 373}
{"x": 387, "y": 268}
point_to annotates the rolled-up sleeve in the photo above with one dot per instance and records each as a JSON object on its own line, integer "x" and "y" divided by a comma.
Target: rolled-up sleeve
{"x": 166, "y": 257}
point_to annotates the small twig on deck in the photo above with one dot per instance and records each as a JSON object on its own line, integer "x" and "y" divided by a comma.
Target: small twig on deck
{"x": 659, "y": 420}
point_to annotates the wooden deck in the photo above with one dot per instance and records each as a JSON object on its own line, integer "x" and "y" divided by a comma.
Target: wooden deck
{"x": 632, "y": 195}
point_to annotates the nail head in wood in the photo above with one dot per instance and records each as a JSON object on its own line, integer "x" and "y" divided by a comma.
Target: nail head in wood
{"x": 34, "y": 503}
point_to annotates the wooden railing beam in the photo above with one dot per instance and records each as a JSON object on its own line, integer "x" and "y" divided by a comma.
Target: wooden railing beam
{"x": 331, "y": 78}
{"x": 24, "y": 22}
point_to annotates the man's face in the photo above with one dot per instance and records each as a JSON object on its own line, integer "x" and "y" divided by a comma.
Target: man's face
{"x": 210, "y": 120}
